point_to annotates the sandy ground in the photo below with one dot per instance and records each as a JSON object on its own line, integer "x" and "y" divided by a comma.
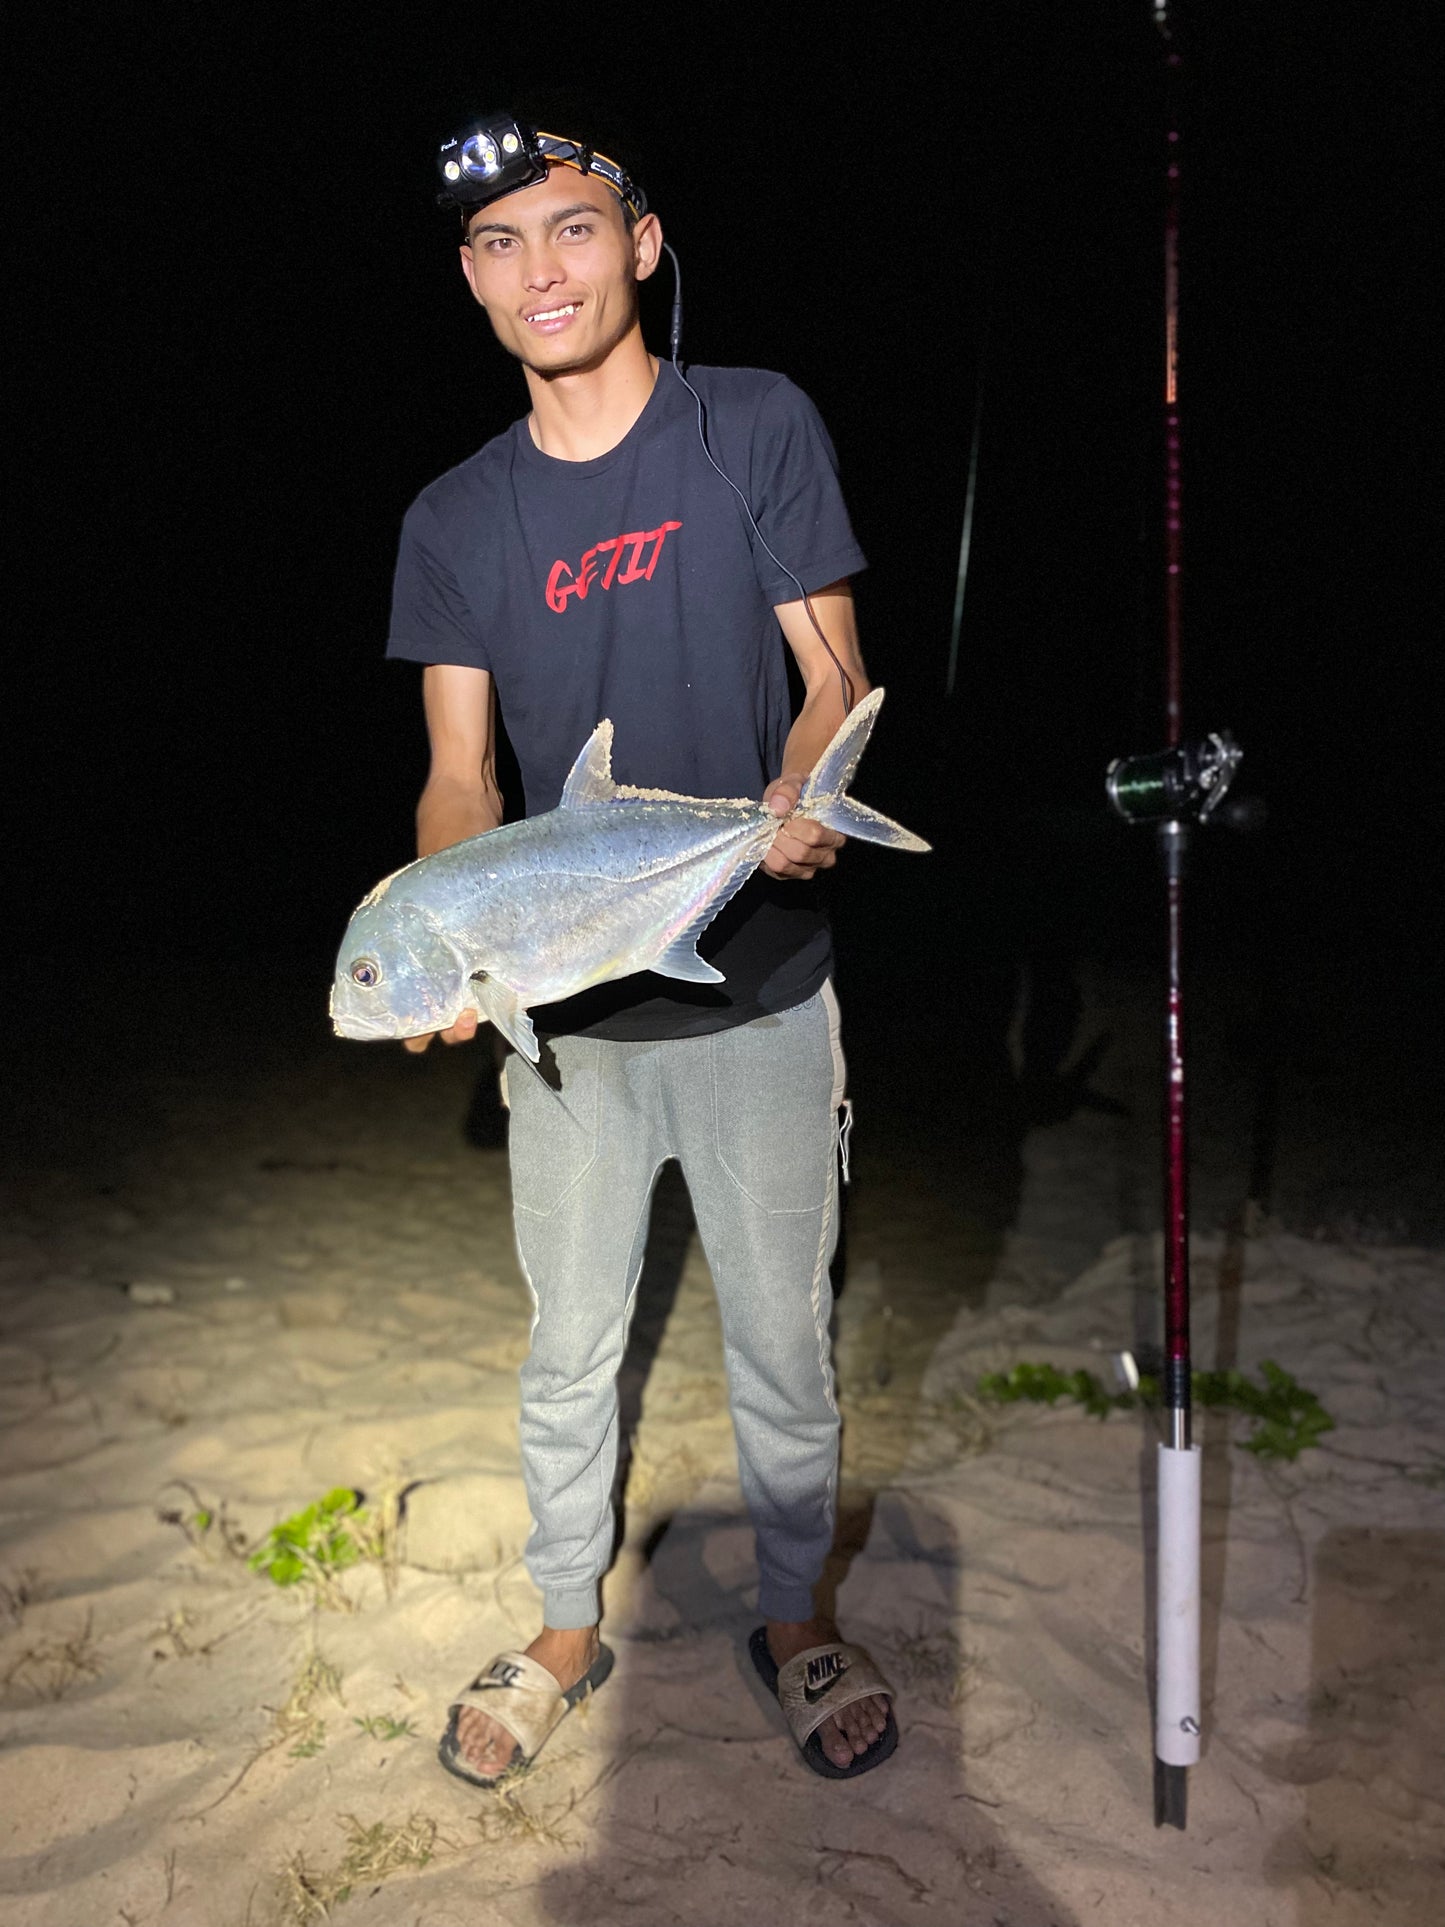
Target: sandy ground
{"x": 185, "y": 1743}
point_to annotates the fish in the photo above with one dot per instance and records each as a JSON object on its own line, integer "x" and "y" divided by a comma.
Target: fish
{"x": 613, "y": 881}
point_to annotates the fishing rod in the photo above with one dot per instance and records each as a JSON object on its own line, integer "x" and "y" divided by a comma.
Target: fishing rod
{"x": 1173, "y": 790}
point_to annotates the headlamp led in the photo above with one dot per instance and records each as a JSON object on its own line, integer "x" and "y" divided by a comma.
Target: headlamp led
{"x": 499, "y": 153}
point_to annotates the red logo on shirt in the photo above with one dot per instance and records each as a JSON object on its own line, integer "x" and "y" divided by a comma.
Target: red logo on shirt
{"x": 637, "y": 570}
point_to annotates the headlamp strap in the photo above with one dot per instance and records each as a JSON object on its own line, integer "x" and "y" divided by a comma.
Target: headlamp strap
{"x": 587, "y": 160}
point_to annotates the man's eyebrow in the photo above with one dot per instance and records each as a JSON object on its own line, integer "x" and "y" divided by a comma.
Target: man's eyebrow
{"x": 552, "y": 220}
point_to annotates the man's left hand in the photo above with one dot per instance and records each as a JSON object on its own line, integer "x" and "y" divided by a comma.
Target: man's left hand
{"x": 802, "y": 847}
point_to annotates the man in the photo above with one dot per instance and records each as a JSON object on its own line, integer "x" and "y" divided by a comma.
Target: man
{"x": 591, "y": 563}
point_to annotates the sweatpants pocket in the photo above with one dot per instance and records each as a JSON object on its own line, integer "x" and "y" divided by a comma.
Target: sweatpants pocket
{"x": 772, "y": 1120}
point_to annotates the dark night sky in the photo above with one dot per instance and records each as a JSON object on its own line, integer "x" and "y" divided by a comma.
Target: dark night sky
{"x": 248, "y": 346}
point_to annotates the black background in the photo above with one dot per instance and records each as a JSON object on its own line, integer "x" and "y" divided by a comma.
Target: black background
{"x": 246, "y": 345}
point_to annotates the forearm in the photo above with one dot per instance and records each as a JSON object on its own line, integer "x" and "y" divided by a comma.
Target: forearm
{"x": 822, "y": 633}
{"x": 451, "y": 810}
{"x": 819, "y": 720}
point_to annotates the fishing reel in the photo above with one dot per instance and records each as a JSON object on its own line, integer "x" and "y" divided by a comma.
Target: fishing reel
{"x": 1183, "y": 784}
{"x": 499, "y": 153}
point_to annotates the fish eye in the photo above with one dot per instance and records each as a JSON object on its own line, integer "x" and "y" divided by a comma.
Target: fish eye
{"x": 366, "y": 971}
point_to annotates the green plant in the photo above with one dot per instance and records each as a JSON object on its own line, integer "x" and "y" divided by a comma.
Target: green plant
{"x": 315, "y": 1544}
{"x": 1046, "y": 1385}
{"x": 1287, "y": 1417}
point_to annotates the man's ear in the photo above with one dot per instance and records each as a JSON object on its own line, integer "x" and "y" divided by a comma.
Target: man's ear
{"x": 469, "y": 269}
{"x": 646, "y": 246}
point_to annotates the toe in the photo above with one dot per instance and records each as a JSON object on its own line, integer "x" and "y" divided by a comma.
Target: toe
{"x": 836, "y": 1743}
{"x": 486, "y": 1747}
{"x": 863, "y": 1722}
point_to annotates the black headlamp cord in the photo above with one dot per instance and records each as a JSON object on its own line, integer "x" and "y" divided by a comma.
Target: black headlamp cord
{"x": 675, "y": 347}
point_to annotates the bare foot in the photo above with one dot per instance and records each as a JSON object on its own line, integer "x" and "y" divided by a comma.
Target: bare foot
{"x": 490, "y": 1749}
{"x": 851, "y": 1731}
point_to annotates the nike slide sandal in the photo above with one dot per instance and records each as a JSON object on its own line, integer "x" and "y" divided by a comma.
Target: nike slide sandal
{"x": 820, "y": 1682}
{"x": 521, "y": 1696}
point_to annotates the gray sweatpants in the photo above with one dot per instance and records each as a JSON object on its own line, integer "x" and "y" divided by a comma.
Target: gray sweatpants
{"x": 751, "y": 1115}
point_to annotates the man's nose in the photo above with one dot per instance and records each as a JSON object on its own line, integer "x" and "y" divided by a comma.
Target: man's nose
{"x": 541, "y": 268}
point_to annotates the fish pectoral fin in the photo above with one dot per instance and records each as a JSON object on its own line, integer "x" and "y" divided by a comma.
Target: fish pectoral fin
{"x": 680, "y": 960}
{"x": 590, "y": 779}
{"x": 500, "y": 1005}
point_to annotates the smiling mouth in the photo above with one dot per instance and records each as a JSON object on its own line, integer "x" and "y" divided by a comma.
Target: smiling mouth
{"x": 545, "y": 317}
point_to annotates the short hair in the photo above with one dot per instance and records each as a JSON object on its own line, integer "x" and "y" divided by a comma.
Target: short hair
{"x": 629, "y": 212}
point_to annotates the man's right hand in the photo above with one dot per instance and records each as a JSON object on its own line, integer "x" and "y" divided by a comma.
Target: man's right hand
{"x": 461, "y": 1032}
{"x": 461, "y": 798}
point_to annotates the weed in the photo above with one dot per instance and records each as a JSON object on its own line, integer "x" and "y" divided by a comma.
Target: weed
{"x": 935, "y": 1660}
{"x": 380, "y": 1726}
{"x": 326, "y": 1537}
{"x": 52, "y": 1666}
{"x": 504, "y": 1818}
{"x": 19, "y": 1591}
{"x": 378, "y": 1532}
{"x": 1287, "y": 1418}
{"x": 209, "y": 1528}
{"x": 175, "y": 1630}
{"x": 373, "y": 1854}
{"x": 298, "y": 1720}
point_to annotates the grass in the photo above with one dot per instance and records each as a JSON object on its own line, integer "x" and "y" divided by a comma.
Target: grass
{"x": 18, "y": 1593}
{"x": 380, "y": 1726}
{"x": 51, "y": 1667}
{"x": 504, "y": 1819}
{"x": 1287, "y": 1418}
{"x": 208, "y": 1528}
{"x": 299, "y": 1720}
{"x": 934, "y": 1659}
{"x": 373, "y": 1854}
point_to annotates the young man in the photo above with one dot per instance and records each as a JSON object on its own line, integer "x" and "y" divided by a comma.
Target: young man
{"x": 590, "y": 563}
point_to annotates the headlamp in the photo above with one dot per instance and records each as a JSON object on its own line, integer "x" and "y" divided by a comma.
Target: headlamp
{"x": 498, "y": 154}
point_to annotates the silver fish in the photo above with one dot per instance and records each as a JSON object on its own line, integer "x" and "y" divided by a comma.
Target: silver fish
{"x": 614, "y": 880}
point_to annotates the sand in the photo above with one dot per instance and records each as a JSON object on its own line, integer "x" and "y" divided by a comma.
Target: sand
{"x": 299, "y": 1276}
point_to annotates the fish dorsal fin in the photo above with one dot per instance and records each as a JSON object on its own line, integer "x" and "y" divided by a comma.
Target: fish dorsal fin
{"x": 590, "y": 781}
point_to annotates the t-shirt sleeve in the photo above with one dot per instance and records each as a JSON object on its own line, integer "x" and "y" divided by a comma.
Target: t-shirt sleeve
{"x": 431, "y": 619}
{"x": 796, "y": 498}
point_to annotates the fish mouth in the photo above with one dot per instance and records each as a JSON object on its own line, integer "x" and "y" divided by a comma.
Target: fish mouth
{"x": 364, "y": 1030}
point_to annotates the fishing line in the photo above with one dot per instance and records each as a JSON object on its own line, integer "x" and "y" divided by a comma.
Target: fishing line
{"x": 675, "y": 347}
{"x": 965, "y": 544}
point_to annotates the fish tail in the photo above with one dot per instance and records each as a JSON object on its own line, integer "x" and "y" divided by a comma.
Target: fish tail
{"x": 825, "y": 796}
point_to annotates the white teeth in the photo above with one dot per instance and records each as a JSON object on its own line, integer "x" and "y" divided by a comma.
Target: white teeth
{"x": 554, "y": 314}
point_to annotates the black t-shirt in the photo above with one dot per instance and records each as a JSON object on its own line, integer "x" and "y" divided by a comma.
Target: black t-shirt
{"x": 631, "y": 587}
